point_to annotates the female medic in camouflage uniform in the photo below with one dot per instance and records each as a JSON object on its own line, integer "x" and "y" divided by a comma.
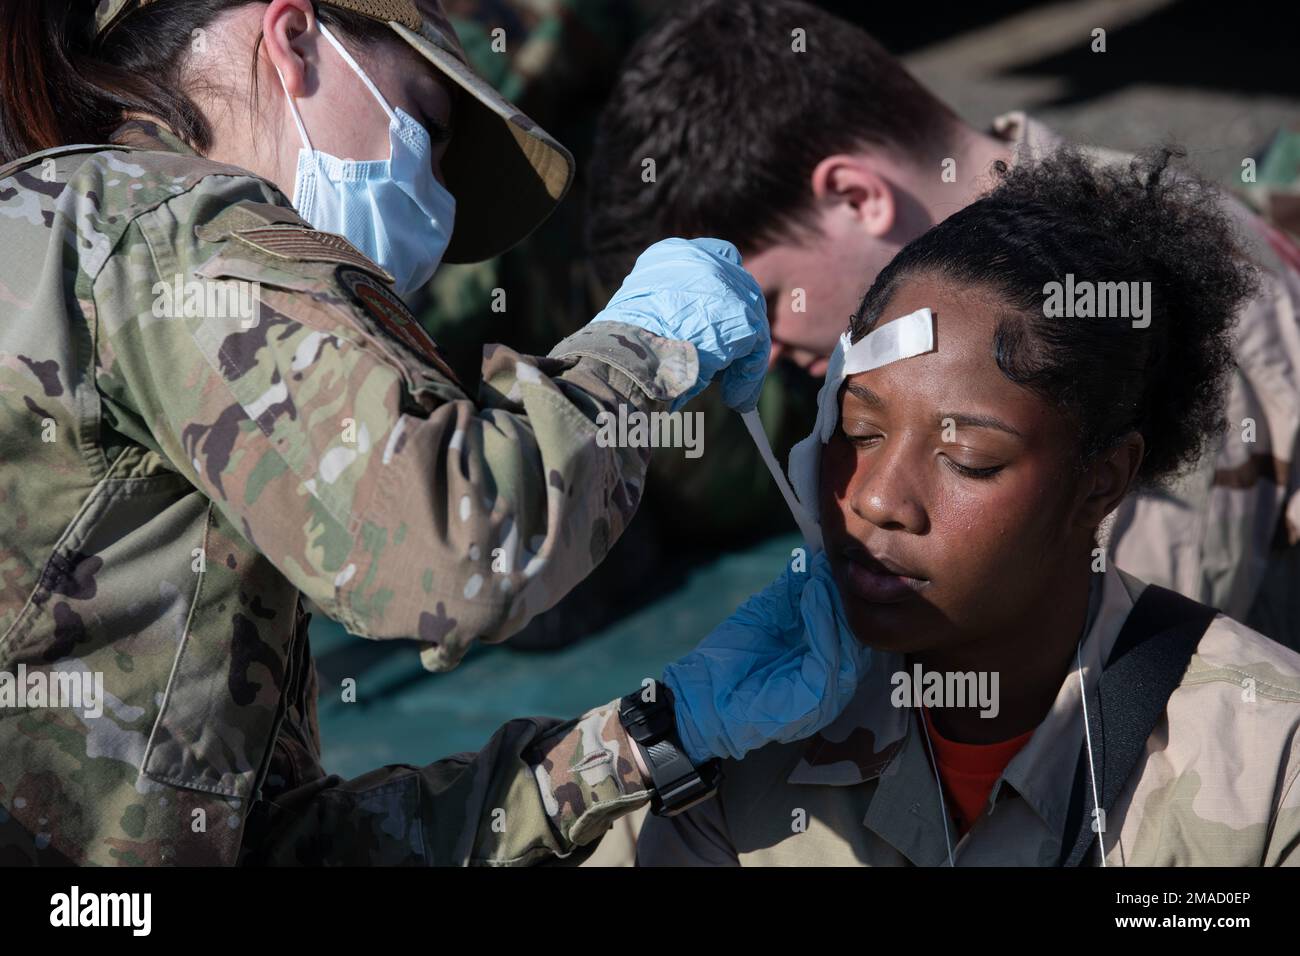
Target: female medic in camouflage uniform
{"x": 211, "y": 405}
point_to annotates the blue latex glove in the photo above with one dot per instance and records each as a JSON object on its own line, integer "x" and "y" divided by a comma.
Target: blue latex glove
{"x": 781, "y": 668}
{"x": 695, "y": 290}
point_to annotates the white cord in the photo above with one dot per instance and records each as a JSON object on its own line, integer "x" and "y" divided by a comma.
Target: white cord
{"x": 808, "y": 527}
{"x": 943, "y": 806}
{"x": 1092, "y": 770}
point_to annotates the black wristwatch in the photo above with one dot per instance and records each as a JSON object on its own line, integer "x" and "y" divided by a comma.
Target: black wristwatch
{"x": 652, "y": 724}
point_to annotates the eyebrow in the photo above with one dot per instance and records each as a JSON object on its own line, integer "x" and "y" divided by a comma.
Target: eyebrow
{"x": 960, "y": 419}
{"x": 980, "y": 421}
{"x": 865, "y": 395}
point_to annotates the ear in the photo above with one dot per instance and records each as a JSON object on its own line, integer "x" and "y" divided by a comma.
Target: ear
{"x": 285, "y": 26}
{"x": 850, "y": 183}
{"x": 1109, "y": 479}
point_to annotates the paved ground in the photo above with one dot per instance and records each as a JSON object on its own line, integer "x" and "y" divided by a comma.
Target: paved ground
{"x": 1216, "y": 78}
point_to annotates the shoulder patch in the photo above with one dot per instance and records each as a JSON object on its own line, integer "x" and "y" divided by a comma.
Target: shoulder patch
{"x": 280, "y": 233}
{"x": 298, "y": 243}
{"x": 246, "y": 215}
{"x": 381, "y": 303}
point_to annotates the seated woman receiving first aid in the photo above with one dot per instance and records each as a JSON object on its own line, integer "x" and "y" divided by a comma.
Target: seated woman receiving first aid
{"x": 1055, "y": 345}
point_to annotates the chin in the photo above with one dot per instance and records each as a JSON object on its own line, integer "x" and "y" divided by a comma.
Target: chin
{"x": 895, "y": 628}
{"x": 896, "y": 620}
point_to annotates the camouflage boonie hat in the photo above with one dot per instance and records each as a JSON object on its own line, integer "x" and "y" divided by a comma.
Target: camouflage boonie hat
{"x": 506, "y": 172}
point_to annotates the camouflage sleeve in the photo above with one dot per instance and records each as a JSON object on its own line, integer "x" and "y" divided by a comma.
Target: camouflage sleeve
{"x": 275, "y": 368}
{"x": 540, "y": 791}
{"x": 577, "y": 778}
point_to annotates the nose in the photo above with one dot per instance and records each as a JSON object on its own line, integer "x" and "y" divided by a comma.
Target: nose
{"x": 887, "y": 489}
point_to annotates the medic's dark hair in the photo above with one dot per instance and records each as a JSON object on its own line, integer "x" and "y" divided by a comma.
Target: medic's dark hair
{"x": 736, "y": 120}
{"x": 1142, "y": 222}
{"x": 59, "y": 84}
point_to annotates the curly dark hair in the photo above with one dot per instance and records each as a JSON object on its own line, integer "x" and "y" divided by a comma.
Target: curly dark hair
{"x": 1145, "y": 222}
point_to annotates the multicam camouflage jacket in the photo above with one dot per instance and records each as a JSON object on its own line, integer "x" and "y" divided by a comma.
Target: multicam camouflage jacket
{"x": 1217, "y": 785}
{"x": 208, "y": 410}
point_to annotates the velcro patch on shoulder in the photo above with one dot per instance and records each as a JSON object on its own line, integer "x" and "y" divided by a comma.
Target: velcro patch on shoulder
{"x": 381, "y": 303}
{"x": 296, "y": 243}
{"x": 246, "y": 215}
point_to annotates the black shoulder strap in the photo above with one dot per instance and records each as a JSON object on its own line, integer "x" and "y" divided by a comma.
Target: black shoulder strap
{"x": 1148, "y": 661}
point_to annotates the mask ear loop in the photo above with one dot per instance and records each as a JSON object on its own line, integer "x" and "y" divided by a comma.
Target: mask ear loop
{"x": 308, "y": 186}
{"x": 356, "y": 68}
{"x": 297, "y": 117}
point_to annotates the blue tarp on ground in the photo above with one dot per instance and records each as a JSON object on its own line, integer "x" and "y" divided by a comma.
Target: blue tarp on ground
{"x": 404, "y": 714}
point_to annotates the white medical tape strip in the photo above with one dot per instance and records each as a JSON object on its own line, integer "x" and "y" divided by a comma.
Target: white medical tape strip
{"x": 900, "y": 338}
{"x": 807, "y": 526}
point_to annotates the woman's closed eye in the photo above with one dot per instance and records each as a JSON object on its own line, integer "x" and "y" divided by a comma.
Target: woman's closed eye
{"x": 971, "y": 465}
{"x": 860, "y": 434}
{"x": 979, "y": 474}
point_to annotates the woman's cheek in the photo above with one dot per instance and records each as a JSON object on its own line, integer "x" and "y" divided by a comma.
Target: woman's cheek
{"x": 973, "y": 510}
{"x": 994, "y": 524}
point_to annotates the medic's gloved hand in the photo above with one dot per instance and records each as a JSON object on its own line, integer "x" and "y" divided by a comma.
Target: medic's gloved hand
{"x": 781, "y": 668}
{"x": 696, "y": 290}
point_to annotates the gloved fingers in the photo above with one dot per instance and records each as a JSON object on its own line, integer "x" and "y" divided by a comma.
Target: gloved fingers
{"x": 832, "y": 643}
{"x": 718, "y": 247}
{"x": 717, "y": 322}
{"x": 783, "y": 694}
{"x": 742, "y": 382}
{"x": 741, "y": 392}
{"x": 697, "y": 265}
{"x": 774, "y": 611}
{"x": 718, "y": 714}
{"x": 718, "y": 254}
{"x": 780, "y": 668}
{"x": 825, "y": 625}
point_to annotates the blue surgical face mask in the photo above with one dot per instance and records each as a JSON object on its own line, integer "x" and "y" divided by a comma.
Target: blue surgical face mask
{"x": 394, "y": 210}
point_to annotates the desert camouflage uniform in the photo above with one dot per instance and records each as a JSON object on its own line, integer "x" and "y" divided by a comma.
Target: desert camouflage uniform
{"x": 173, "y": 479}
{"x": 1226, "y": 535}
{"x": 1275, "y": 191}
{"x": 1216, "y": 786}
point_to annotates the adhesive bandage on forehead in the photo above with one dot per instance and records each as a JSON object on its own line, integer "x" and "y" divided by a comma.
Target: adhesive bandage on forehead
{"x": 901, "y": 338}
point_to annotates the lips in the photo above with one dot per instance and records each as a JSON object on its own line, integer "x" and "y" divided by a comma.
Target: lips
{"x": 879, "y": 579}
